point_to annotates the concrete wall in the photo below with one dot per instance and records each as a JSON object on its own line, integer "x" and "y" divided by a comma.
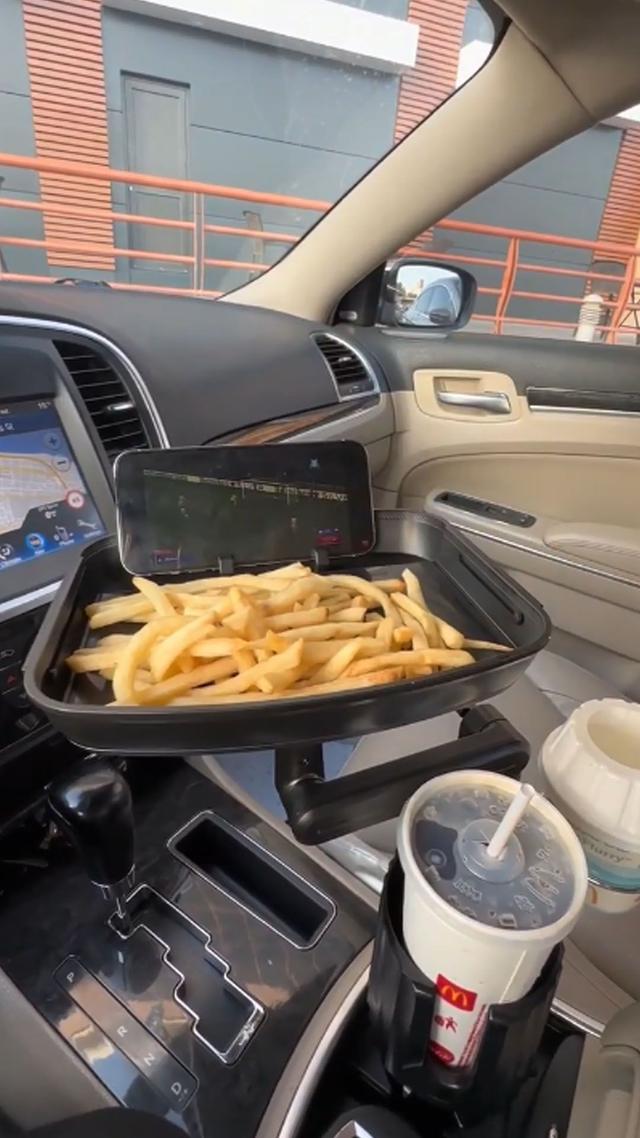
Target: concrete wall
{"x": 477, "y": 24}
{"x": 259, "y": 118}
{"x": 397, "y": 8}
{"x": 16, "y": 137}
{"x": 563, "y": 192}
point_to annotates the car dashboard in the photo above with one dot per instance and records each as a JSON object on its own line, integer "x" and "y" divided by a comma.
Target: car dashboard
{"x": 105, "y": 372}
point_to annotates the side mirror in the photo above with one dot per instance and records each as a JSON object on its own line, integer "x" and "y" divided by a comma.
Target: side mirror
{"x": 417, "y": 293}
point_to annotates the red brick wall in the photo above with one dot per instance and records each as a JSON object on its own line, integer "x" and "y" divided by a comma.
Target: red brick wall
{"x": 441, "y": 23}
{"x": 433, "y": 78}
{"x": 621, "y": 217}
{"x": 66, "y": 72}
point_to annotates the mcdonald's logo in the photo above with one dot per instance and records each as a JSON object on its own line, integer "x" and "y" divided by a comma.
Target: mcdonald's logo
{"x": 462, "y": 998}
{"x": 441, "y": 1053}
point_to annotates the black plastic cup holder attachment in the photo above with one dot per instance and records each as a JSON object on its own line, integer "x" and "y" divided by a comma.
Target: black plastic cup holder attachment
{"x": 401, "y": 1004}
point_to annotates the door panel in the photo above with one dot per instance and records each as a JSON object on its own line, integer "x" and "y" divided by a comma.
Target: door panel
{"x": 556, "y": 487}
{"x": 616, "y": 547}
{"x": 550, "y": 429}
{"x": 459, "y": 395}
{"x": 585, "y": 600}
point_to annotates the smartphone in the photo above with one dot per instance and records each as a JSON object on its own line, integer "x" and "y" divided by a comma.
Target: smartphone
{"x": 188, "y": 508}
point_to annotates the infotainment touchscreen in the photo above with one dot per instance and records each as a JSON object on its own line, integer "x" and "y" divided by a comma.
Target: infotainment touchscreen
{"x": 44, "y": 503}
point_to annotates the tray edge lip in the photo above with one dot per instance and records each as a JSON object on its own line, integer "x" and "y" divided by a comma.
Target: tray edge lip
{"x": 130, "y": 713}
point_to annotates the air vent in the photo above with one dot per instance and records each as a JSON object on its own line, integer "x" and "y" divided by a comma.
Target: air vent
{"x": 352, "y": 375}
{"x": 114, "y": 414}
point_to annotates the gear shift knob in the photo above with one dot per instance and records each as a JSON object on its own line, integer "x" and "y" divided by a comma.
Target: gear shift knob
{"x": 92, "y": 803}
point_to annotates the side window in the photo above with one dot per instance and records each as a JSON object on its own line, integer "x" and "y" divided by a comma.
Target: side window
{"x": 554, "y": 246}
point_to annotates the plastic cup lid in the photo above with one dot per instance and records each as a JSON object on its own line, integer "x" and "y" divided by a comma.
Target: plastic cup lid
{"x": 531, "y": 885}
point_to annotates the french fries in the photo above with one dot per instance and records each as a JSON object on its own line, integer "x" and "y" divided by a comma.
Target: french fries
{"x": 338, "y": 663}
{"x": 160, "y": 600}
{"x": 440, "y": 657}
{"x": 285, "y": 634}
{"x": 135, "y": 655}
{"x": 376, "y": 679}
{"x": 296, "y": 619}
{"x": 485, "y": 646}
{"x": 165, "y": 651}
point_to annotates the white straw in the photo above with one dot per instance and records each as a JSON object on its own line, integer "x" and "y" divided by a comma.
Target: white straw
{"x": 508, "y": 824}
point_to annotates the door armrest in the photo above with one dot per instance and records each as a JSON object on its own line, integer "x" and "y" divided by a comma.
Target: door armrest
{"x": 617, "y": 547}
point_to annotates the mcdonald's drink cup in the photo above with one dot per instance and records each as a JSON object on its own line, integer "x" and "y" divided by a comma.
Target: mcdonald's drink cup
{"x": 494, "y": 878}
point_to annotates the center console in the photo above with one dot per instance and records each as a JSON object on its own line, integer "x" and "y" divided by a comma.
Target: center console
{"x": 209, "y": 971}
{"x": 190, "y": 1001}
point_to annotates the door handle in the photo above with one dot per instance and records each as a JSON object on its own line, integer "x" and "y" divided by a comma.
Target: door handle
{"x": 495, "y": 402}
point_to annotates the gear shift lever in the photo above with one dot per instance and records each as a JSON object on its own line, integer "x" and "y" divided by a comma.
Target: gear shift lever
{"x": 93, "y": 805}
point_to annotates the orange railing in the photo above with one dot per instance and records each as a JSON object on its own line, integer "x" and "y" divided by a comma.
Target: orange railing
{"x": 618, "y": 305}
{"x": 504, "y": 305}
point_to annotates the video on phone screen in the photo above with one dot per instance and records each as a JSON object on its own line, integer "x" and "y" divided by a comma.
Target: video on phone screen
{"x": 193, "y": 520}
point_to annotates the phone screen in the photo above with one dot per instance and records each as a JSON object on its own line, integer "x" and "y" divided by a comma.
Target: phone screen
{"x": 184, "y": 509}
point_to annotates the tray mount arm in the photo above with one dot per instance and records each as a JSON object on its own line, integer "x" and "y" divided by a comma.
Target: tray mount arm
{"x": 318, "y": 810}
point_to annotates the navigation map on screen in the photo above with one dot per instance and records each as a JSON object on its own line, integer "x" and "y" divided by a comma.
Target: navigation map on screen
{"x": 44, "y": 503}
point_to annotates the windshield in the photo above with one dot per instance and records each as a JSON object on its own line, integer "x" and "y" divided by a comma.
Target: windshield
{"x": 183, "y": 146}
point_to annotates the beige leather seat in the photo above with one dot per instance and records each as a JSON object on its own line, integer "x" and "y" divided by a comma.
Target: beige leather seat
{"x": 535, "y": 705}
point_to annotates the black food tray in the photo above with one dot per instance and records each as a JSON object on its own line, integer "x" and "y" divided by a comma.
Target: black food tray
{"x": 459, "y": 583}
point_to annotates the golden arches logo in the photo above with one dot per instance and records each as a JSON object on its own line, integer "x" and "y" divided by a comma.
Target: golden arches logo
{"x": 462, "y": 998}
